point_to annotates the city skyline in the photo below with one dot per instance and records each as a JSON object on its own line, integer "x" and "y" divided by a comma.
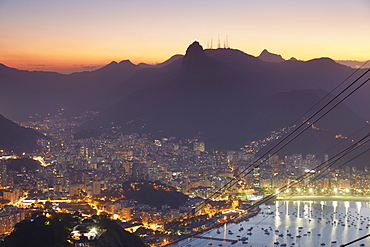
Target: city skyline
{"x": 73, "y": 36}
{"x": 262, "y": 121}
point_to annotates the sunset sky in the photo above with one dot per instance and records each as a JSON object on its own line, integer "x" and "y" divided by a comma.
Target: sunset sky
{"x": 75, "y": 35}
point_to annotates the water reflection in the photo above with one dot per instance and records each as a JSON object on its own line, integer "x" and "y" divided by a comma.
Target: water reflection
{"x": 335, "y": 205}
{"x": 297, "y": 223}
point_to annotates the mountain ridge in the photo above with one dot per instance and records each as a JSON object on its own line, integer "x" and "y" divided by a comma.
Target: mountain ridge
{"x": 224, "y": 96}
{"x": 269, "y": 57}
{"x": 15, "y": 138}
{"x": 216, "y": 106}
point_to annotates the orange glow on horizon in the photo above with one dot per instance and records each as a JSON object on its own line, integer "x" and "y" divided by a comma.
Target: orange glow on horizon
{"x": 69, "y": 63}
{"x": 67, "y": 36}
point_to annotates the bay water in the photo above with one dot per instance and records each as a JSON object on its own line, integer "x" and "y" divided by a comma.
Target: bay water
{"x": 298, "y": 223}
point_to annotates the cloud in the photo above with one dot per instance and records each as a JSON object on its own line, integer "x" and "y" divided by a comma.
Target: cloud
{"x": 91, "y": 67}
{"x": 354, "y": 63}
{"x": 38, "y": 65}
{"x": 87, "y": 67}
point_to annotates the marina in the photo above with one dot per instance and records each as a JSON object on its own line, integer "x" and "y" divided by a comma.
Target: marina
{"x": 294, "y": 223}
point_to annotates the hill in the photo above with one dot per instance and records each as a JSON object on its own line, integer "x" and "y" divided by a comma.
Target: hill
{"x": 25, "y": 93}
{"x": 267, "y": 56}
{"x": 150, "y": 193}
{"x": 57, "y": 231}
{"x": 17, "y": 138}
{"x": 213, "y": 100}
{"x": 224, "y": 96}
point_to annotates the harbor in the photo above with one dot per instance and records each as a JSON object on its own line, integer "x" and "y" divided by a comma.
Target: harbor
{"x": 294, "y": 223}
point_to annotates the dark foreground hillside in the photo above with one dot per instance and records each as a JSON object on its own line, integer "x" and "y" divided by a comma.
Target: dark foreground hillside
{"x": 14, "y": 137}
{"x": 56, "y": 231}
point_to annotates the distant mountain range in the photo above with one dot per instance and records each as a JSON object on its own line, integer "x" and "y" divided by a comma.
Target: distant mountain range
{"x": 267, "y": 56}
{"x": 16, "y": 138}
{"x": 227, "y": 104}
{"x": 225, "y": 96}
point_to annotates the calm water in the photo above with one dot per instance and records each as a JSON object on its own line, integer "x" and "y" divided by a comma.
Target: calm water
{"x": 316, "y": 222}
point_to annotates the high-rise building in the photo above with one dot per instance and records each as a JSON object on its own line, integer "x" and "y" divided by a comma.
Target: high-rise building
{"x": 137, "y": 171}
{"x": 199, "y": 146}
{"x": 256, "y": 177}
{"x": 96, "y": 188}
{"x": 3, "y": 173}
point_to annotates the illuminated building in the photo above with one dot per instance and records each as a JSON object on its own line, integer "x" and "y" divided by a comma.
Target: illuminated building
{"x": 256, "y": 177}
{"x": 11, "y": 194}
{"x": 199, "y": 146}
{"x": 96, "y": 188}
{"x": 3, "y": 174}
{"x": 10, "y": 218}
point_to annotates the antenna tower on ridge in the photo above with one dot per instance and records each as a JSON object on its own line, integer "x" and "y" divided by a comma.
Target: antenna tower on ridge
{"x": 219, "y": 46}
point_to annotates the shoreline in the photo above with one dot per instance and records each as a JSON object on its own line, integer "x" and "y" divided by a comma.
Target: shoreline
{"x": 326, "y": 198}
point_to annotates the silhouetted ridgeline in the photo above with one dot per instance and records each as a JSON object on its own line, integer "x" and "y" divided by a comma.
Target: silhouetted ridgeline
{"x": 57, "y": 231}
{"x": 150, "y": 193}
{"x": 225, "y": 96}
{"x": 215, "y": 101}
{"x": 17, "y": 138}
{"x": 25, "y": 93}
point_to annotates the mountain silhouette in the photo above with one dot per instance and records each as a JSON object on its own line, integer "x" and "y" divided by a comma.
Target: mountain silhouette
{"x": 267, "y": 56}
{"x": 17, "y": 138}
{"x": 286, "y": 109}
{"x": 212, "y": 100}
{"x": 25, "y": 93}
{"x": 224, "y": 96}
{"x": 159, "y": 65}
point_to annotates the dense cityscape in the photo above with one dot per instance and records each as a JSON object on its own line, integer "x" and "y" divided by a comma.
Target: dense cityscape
{"x": 91, "y": 176}
{"x": 184, "y": 123}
